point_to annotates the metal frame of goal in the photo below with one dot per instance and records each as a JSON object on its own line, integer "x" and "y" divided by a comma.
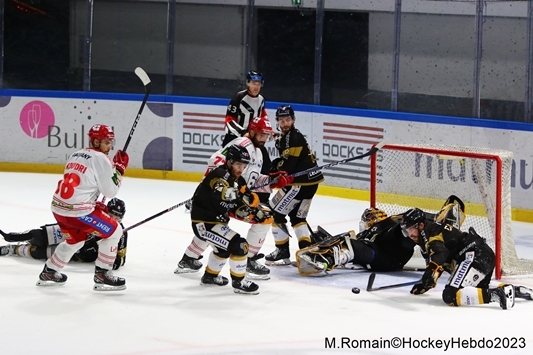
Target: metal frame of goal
{"x": 406, "y": 176}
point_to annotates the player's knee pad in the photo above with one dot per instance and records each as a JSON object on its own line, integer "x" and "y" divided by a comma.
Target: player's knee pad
{"x": 363, "y": 253}
{"x": 449, "y": 295}
{"x": 238, "y": 246}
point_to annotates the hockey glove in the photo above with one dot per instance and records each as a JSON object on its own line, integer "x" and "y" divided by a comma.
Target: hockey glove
{"x": 101, "y": 206}
{"x": 119, "y": 261}
{"x": 429, "y": 279}
{"x": 280, "y": 179}
{"x": 248, "y": 197}
{"x": 263, "y": 215}
{"x": 121, "y": 161}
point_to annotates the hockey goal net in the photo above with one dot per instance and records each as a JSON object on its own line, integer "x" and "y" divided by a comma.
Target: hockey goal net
{"x": 424, "y": 176}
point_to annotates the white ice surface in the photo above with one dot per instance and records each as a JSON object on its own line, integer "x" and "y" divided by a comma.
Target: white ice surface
{"x": 162, "y": 313}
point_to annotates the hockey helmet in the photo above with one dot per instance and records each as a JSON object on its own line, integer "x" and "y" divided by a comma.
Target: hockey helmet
{"x": 236, "y": 153}
{"x": 370, "y": 217}
{"x": 101, "y": 132}
{"x": 117, "y": 207}
{"x": 261, "y": 125}
{"x": 254, "y": 75}
{"x": 284, "y": 111}
{"x": 413, "y": 217}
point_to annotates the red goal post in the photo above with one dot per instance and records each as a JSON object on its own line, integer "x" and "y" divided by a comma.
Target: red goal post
{"x": 423, "y": 176}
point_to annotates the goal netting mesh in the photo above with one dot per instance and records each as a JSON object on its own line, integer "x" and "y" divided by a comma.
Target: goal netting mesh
{"x": 424, "y": 176}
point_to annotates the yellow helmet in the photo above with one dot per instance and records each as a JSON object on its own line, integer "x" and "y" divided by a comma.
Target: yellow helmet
{"x": 370, "y": 217}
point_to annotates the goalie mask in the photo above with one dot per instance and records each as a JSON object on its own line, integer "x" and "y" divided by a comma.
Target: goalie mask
{"x": 370, "y": 217}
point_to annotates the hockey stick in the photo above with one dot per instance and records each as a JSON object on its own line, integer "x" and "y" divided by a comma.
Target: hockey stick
{"x": 369, "y": 153}
{"x": 372, "y": 277}
{"x": 147, "y": 88}
{"x": 372, "y": 151}
{"x": 156, "y": 215}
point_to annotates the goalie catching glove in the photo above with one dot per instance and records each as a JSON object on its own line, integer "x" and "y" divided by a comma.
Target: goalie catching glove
{"x": 429, "y": 279}
{"x": 280, "y": 179}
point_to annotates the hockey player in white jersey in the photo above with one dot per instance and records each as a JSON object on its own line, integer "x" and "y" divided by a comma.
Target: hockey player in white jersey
{"x": 89, "y": 172}
{"x": 259, "y": 131}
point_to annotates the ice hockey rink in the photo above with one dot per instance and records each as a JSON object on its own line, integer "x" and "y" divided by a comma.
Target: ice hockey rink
{"x": 164, "y": 314}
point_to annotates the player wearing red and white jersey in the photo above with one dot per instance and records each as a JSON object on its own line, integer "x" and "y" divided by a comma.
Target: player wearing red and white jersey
{"x": 88, "y": 173}
{"x": 259, "y": 131}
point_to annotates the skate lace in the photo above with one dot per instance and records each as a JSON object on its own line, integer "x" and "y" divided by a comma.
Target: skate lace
{"x": 109, "y": 275}
{"x": 257, "y": 266}
{"x": 246, "y": 283}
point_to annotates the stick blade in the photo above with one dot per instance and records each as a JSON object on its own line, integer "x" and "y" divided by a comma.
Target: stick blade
{"x": 370, "y": 283}
{"x": 142, "y": 75}
{"x": 380, "y": 145}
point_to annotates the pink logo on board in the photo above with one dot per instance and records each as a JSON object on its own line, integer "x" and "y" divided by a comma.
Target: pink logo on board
{"x": 35, "y": 118}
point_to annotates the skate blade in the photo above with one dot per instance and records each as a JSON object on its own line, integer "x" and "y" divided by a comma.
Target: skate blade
{"x": 99, "y": 287}
{"x": 212, "y": 285}
{"x": 281, "y": 262}
{"x": 241, "y": 292}
{"x": 253, "y": 276}
{"x": 49, "y": 283}
{"x": 185, "y": 271}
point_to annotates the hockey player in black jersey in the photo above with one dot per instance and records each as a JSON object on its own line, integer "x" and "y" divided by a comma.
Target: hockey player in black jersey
{"x": 380, "y": 247}
{"x": 40, "y": 243}
{"x": 294, "y": 199}
{"x": 222, "y": 192}
{"x": 470, "y": 260}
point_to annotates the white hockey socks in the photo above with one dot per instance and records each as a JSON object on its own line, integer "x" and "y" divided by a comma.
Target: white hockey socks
{"x": 196, "y": 248}
{"x": 62, "y": 255}
{"x": 107, "y": 250}
{"x": 256, "y": 237}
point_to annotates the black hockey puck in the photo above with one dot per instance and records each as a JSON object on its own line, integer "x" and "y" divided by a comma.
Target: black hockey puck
{"x": 355, "y": 290}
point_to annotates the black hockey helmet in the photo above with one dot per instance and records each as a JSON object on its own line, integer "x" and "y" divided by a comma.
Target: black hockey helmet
{"x": 413, "y": 217}
{"x": 237, "y": 153}
{"x": 254, "y": 75}
{"x": 285, "y": 110}
{"x": 117, "y": 207}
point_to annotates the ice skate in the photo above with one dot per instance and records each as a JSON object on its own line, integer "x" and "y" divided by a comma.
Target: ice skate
{"x": 504, "y": 294}
{"x": 188, "y": 265}
{"x": 212, "y": 280}
{"x": 50, "y": 277}
{"x": 245, "y": 287}
{"x": 523, "y": 292}
{"x": 280, "y": 256}
{"x": 7, "y": 250}
{"x": 104, "y": 280}
{"x": 255, "y": 270}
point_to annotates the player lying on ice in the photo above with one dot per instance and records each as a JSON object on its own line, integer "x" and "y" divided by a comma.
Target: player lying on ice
{"x": 383, "y": 246}
{"x": 40, "y": 243}
{"x": 466, "y": 256}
